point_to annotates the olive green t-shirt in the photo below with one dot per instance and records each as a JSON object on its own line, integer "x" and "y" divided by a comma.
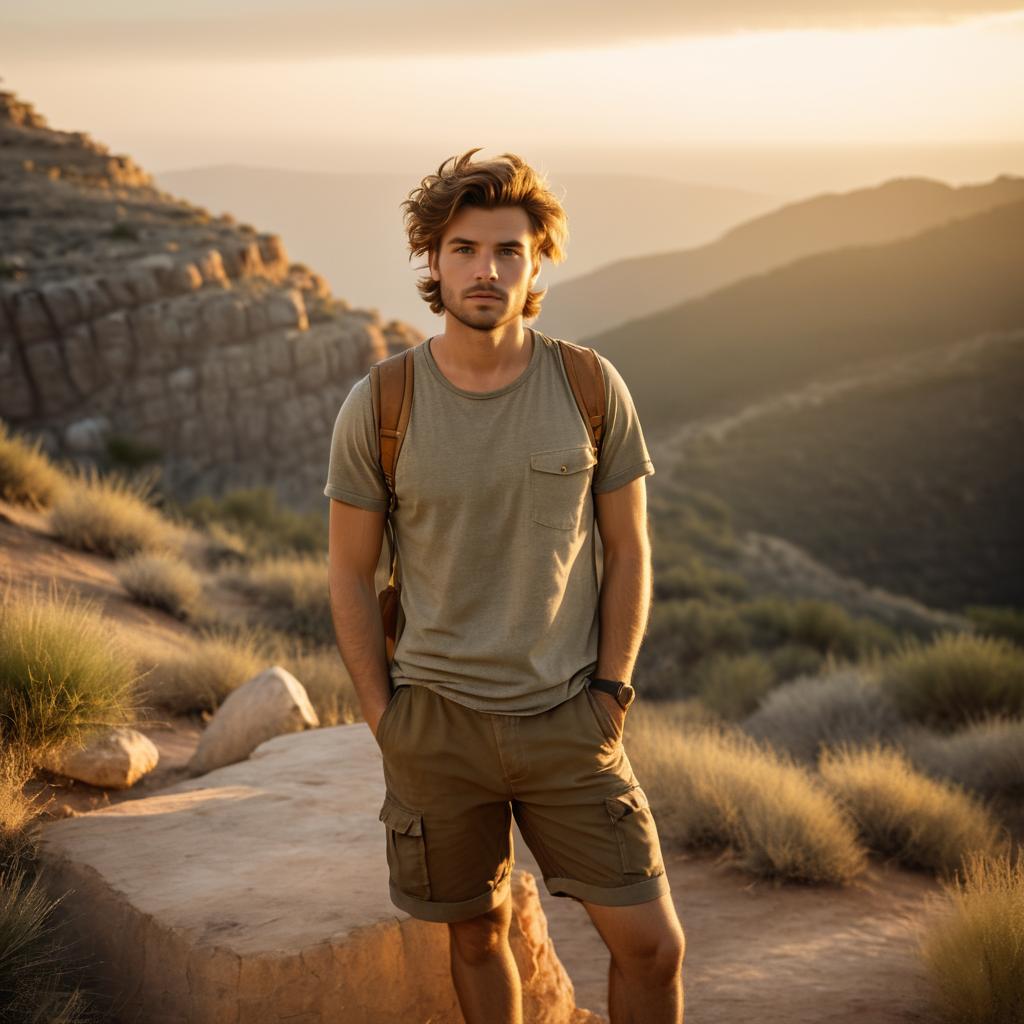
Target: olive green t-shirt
{"x": 494, "y": 525}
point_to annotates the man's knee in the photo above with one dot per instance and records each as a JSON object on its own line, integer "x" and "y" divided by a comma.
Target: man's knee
{"x": 483, "y": 936}
{"x": 658, "y": 956}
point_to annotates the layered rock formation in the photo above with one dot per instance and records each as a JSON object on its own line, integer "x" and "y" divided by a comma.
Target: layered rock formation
{"x": 132, "y": 316}
{"x": 259, "y": 892}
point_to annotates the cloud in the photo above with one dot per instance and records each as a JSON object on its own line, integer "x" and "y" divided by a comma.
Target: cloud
{"x": 262, "y": 30}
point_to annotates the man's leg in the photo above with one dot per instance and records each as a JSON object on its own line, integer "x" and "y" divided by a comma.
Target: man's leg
{"x": 484, "y": 971}
{"x": 647, "y": 946}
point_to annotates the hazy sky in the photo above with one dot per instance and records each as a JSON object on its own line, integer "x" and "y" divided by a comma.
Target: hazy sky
{"x": 346, "y": 85}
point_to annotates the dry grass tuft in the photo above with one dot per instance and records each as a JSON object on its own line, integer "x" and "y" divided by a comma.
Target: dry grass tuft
{"x": 27, "y": 476}
{"x": 110, "y": 515}
{"x": 714, "y": 787}
{"x": 163, "y": 581}
{"x": 973, "y": 947}
{"x": 901, "y": 813}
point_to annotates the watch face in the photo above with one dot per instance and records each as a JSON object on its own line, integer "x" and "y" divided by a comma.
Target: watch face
{"x": 626, "y": 695}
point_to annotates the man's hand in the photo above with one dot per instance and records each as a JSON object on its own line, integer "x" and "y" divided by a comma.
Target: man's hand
{"x": 615, "y": 709}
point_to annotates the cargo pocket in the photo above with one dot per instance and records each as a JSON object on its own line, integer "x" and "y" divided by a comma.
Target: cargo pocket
{"x": 406, "y": 849}
{"x": 636, "y": 832}
{"x": 560, "y": 485}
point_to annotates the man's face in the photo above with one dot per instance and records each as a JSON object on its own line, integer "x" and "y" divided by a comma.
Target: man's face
{"x": 485, "y": 265}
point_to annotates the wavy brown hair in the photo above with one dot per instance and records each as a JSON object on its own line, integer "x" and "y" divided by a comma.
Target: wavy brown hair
{"x": 505, "y": 181}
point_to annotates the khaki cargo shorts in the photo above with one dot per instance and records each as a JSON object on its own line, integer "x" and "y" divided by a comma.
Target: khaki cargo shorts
{"x": 455, "y": 778}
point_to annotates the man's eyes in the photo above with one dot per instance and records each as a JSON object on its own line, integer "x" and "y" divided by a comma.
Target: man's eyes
{"x": 504, "y": 249}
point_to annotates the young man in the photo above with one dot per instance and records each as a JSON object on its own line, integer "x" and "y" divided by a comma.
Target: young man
{"x": 505, "y": 625}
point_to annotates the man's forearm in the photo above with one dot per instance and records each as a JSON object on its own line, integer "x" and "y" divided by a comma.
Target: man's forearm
{"x": 359, "y": 634}
{"x": 624, "y": 605}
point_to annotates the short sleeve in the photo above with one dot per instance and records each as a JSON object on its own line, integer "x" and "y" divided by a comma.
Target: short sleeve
{"x": 353, "y": 473}
{"x": 624, "y": 454}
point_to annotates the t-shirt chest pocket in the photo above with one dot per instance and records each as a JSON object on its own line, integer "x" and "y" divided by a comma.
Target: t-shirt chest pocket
{"x": 559, "y": 486}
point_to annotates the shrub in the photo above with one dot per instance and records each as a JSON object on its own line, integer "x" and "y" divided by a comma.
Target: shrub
{"x": 956, "y": 679}
{"x": 733, "y": 684}
{"x": 27, "y": 477}
{"x": 820, "y": 625}
{"x": 992, "y": 620}
{"x": 902, "y": 813}
{"x": 110, "y": 515}
{"x": 843, "y": 707}
{"x": 127, "y": 452}
{"x": 712, "y": 787}
{"x": 62, "y": 672}
{"x": 163, "y": 581}
{"x": 973, "y": 947}
{"x": 987, "y": 757}
{"x": 293, "y": 595}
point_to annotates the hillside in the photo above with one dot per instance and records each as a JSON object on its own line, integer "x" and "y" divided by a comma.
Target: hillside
{"x": 630, "y": 288}
{"x": 777, "y": 330}
{"x": 349, "y": 226}
{"x": 132, "y": 319}
{"x": 908, "y": 477}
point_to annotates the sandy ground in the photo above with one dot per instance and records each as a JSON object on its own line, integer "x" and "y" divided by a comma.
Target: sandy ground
{"x": 755, "y": 952}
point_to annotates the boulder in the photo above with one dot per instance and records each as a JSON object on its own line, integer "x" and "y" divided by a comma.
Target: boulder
{"x": 272, "y": 703}
{"x": 259, "y": 893}
{"x": 115, "y": 759}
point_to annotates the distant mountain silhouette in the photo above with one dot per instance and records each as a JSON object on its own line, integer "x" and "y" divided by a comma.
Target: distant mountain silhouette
{"x": 777, "y": 330}
{"x": 627, "y": 289}
{"x": 349, "y": 226}
{"x": 908, "y": 478}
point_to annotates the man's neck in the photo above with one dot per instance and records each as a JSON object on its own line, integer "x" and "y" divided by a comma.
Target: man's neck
{"x": 482, "y": 360}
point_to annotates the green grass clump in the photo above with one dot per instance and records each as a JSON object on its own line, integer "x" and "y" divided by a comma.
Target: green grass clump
{"x": 162, "y": 581}
{"x": 715, "y": 788}
{"x": 265, "y": 526}
{"x": 956, "y": 679}
{"x": 292, "y": 593}
{"x": 973, "y": 948}
{"x": 986, "y": 757}
{"x": 110, "y": 516}
{"x": 805, "y": 715}
{"x": 901, "y": 813}
{"x": 63, "y": 672}
{"x": 27, "y": 477}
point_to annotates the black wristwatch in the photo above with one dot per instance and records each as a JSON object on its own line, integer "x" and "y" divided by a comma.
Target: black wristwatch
{"x": 622, "y": 692}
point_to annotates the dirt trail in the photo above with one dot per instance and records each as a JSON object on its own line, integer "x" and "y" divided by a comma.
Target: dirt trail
{"x": 788, "y": 955}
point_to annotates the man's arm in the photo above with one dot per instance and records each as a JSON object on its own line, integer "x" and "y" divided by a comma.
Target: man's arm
{"x": 625, "y": 597}
{"x": 354, "y": 540}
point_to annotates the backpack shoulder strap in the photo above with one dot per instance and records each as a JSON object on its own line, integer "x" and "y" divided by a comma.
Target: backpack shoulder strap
{"x": 391, "y": 389}
{"x": 586, "y": 378}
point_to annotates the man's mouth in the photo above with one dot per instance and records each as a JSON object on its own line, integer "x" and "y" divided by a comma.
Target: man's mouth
{"x": 483, "y": 295}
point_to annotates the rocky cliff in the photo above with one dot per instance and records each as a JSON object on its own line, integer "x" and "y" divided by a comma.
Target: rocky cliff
{"x": 128, "y": 314}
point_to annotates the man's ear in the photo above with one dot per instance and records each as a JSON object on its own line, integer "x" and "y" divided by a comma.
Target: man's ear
{"x": 432, "y": 264}
{"x": 536, "y": 271}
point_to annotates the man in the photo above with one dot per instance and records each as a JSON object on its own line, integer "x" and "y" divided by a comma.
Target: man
{"x": 505, "y": 626}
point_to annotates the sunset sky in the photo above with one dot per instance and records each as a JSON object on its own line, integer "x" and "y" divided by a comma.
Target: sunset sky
{"x": 359, "y": 86}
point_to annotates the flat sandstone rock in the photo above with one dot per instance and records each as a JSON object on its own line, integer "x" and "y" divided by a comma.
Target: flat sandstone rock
{"x": 259, "y": 892}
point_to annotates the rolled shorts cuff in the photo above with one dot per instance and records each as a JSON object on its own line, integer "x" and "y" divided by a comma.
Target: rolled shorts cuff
{"x": 611, "y": 896}
{"x": 449, "y": 913}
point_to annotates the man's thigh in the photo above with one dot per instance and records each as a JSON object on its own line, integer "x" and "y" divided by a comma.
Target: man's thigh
{"x": 582, "y": 810}
{"x": 446, "y": 811}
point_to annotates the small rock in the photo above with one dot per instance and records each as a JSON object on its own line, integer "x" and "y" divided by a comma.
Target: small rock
{"x": 116, "y": 759}
{"x": 272, "y": 703}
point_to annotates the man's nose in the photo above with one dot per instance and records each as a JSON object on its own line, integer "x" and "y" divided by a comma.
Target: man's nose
{"x": 486, "y": 268}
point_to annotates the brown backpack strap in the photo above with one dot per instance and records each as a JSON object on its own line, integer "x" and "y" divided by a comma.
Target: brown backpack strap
{"x": 586, "y": 378}
{"x": 391, "y": 388}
